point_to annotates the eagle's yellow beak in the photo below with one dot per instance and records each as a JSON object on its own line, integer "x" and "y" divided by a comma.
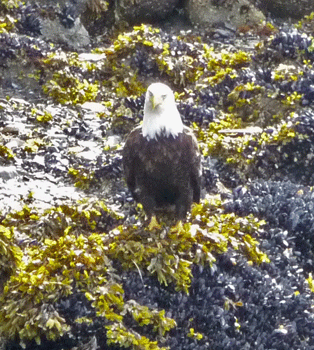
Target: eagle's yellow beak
{"x": 155, "y": 101}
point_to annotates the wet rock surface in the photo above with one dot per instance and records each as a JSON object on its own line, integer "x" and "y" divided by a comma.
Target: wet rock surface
{"x": 145, "y": 11}
{"x": 234, "y": 14}
{"x": 290, "y": 8}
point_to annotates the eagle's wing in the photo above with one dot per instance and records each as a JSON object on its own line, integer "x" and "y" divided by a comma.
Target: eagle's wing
{"x": 130, "y": 160}
{"x": 196, "y": 167}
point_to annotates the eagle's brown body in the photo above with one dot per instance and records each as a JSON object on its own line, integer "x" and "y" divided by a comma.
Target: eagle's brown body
{"x": 163, "y": 171}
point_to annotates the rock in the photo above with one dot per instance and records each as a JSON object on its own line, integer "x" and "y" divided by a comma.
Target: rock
{"x": 93, "y": 14}
{"x": 15, "y": 143}
{"x": 11, "y": 129}
{"x": 55, "y": 21}
{"x": 98, "y": 16}
{"x": 80, "y": 5}
{"x": 208, "y": 13}
{"x": 92, "y": 57}
{"x": 74, "y": 37}
{"x": 15, "y": 128}
{"x": 8, "y": 172}
{"x": 94, "y": 107}
{"x": 290, "y": 8}
{"x": 137, "y": 11}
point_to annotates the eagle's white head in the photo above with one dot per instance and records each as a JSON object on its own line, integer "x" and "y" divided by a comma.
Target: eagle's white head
{"x": 161, "y": 115}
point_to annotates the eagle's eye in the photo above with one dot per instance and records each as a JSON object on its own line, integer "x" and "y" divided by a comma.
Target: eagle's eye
{"x": 163, "y": 97}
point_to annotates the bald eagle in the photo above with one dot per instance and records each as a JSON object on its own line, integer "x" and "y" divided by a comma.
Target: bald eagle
{"x": 161, "y": 160}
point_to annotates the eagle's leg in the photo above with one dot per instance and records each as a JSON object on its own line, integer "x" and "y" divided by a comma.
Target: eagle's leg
{"x": 182, "y": 205}
{"x": 149, "y": 205}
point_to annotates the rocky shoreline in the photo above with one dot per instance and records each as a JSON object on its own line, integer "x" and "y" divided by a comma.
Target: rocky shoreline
{"x": 79, "y": 267}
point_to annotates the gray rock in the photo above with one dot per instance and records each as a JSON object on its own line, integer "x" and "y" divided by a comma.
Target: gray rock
{"x": 60, "y": 21}
{"x": 208, "y": 13}
{"x": 8, "y": 172}
{"x": 15, "y": 143}
{"x": 11, "y": 129}
{"x": 137, "y": 11}
{"x": 290, "y": 8}
{"x": 98, "y": 16}
{"x": 75, "y": 37}
{"x": 94, "y": 107}
{"x": 79, "y": 4}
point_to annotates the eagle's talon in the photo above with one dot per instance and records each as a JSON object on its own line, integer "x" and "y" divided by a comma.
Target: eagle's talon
{"x": 178, "y": 227}
{"x": 153, "y": 225}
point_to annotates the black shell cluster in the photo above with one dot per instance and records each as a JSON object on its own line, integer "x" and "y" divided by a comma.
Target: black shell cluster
{"x": 199, "y": 114}
{"x": 294, "y": 160}
{"x": 29, "y": 22}
{"x": 287, "y": 44}
{"x": 142, "y": 61}
{"x": 290, "y": 42}
{"x": 285, "y": 206}
{"x": 13, "y": 44}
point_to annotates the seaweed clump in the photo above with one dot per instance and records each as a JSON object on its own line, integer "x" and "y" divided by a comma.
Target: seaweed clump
{"x": 60, "y": 267}
{"x": 80, "y": 260}
{"x": 66, "y": 87}
{"x": 11, "y": 254}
